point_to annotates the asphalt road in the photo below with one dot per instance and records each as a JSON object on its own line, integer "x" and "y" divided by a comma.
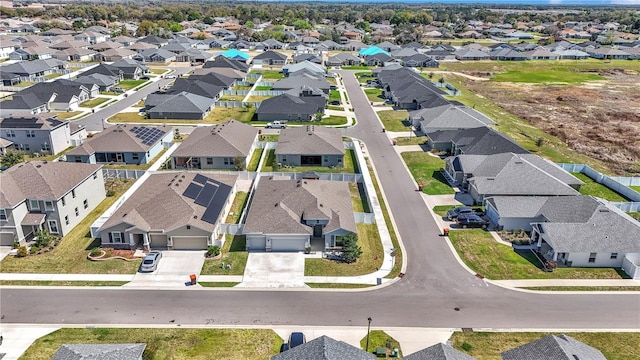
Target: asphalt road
{"x": 435, "y": 292}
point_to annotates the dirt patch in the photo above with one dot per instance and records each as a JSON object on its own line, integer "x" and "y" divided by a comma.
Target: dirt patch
{"x": 599, "y": 119}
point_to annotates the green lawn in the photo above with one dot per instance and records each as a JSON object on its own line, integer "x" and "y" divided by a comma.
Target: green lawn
{"x": 358, "y": 198}
{"x": 362, "y": 67}
{"x": 255, "y": 160}
{"x": 636, "y": 188}
{"x": 263, "y": 88}
{"x": 216, "y": 116}
{"x": 52, "y": 76}
{"x": 242, "y": 87}
{"x": 349, "y": 165}
{"x": 258, "y": 98}
{"x": 329, "y": 120}
{"x": 583, "y": 288}
{"x": 238, "y": 344}
{"x": 63, "y": 115}
{"x": 395, "y": 120}
{"x": 238, "y": 205}
{"x": 374, "y": 95}
{"x": 489, "y": 345}
{"x": 130, "y": 84}
{"x": 591, "y": 187}
{"x": 158, "y": 71}
{"x": 370, "y": 261}
{"x": 379, "y": 338}
{"x": 337, "y": 286}
{"x": 442, "y": 209}
{"x": 495, "y": 261}
{"x": 546, "y": 77}
{"x": 270, "y": 74}
{"x": 70, "y": 256}
{"x": 425, "y": 169}
{"x": 234, "y": 253}
{"x": 410, "y": 140}
{"x": 130, "y": 117}
{"x": 60, "y": 283}
{"x": 337, "y": 108}
{"x": 269, "y": 137}
{"x": 94, "y": 102}
{"x": 334, "y": 95}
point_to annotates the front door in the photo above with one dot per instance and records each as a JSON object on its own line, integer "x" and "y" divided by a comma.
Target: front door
{"x": 119, "y": 157}
{"x": 317, "y": 231}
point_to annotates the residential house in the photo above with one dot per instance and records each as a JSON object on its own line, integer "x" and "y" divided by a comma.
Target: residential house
{"x": 554, "y": 347}
{"x": 63, "y": 95}
{"x": 510, "y": 174}
{"x": 7, "y": 45}
{"x": 155, "y": 55}
{"x": 438, "y": 352}
{"x": 388, "y": 46}
{"x": 183, "y": 105}
{"x": 473, "y": 141}
{"x": 9, "y": 79}
{"x": 541, "y": 53}
{"x": 24, "y": 103}
{"x": 471, "y": 54}
{"x": 193, "y": 56}
{"x": 302, "y": 78}
{"x": 222, "y": 62}
{"x": 307, "y": 57}
{"x": 42, "y": 133}
{"x": 116, "y": 54}
{"x": 234, "y": 54}
{"x": 123, "y": 144}
{"x": 409, "y": 90}
{"x": 377, "y": 59}
{"x": 32, "y": 53}
{"x": 343, "y": 59}
{"x": 99, "y": 352}
{"x": 91, "y": 37}
{"x": 271, "y": 44}
{"x": 324, "y": 348}
{"x": 106, "y": 70}
{"x": 130, "y": 68}
{"x": 289, "y": 107}
{"x": 331, "y": 45}
{"x": 172, "y": 210}
{"x": 304, "y": 66}
{"x": 270, "y": 57}
{"x": 198, "y": 87}
{"x": 229, "y": 145}
{"x": 310, "y": 146}
{"x": 420, "y": 60}
{"x": 291, "y": 215}
{"x": 104, "y": 82}
{"x": 608, "y": 53}
{"x": 354, "y": 45}
{"x": 35, "y": 68}
{"x": 449, "y": 117}
{"x": 154, "y": 40}
{"x": 52, "y": 196}
{"x": 139, "y": 46}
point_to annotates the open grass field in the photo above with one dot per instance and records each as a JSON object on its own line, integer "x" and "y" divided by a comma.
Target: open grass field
{"x": 234, "y": 253}
{"x": 533, "y": 66}
{"x": 349, "y": 165}
{"x": 495, "y": 261}
{"x": 380, "y": 339}
{"x": 94, "y": 102}
{"x": 395, "y": 120}
{"x": 426, "y": 171}
{"x": 370, "y": 261}
{"x": 546, "y": 77}
{"x": 70, "y": 256}
{"x": 591, "y": 187}
{"x": 489, "y": 345}
{"x": 177, "y": 344}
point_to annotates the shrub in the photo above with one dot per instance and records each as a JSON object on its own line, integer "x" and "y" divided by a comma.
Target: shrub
{"x": 213, "y": 251}
{"x": 95, "y": 252}
{"x": 22, "y": 251}
{"x": 33, "y": 250}
{"x": 466, "y": 346}
{"x": 110, "y": 193}
{"x": 43, "y": 238}
{"x": 350, "y": 249}
{"x": 16, "y": 244}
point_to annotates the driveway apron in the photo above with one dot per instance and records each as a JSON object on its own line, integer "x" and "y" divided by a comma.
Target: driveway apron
{"x": 274, "y": 270}
{"x": 173, "y": 270}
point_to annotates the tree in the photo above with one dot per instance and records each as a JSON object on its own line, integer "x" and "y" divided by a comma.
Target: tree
{"x": 318, "y": 117}
{"x": 250, "y": 24}
{"x": 441, "y": 81}
{"x": 430, "y": 75}
{"x": 539, "y": 142}
{"x": 350, "y": 249}
{"x": 247, "y": 106}
{"x": 11, "y": 158}
{"x": 239, "y": 163}
{"x": 145, "y": 28}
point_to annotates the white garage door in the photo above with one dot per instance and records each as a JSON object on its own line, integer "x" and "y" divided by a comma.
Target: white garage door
{"x": 6, "y": 239}
{"x": 189, "y": 242}
{"x": 158, "y": 241}
{"x": 257, "y": 243}
{"x": 287, "y": 244}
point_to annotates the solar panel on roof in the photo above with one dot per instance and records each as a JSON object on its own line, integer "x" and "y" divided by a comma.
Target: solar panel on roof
{"x": 200, "y": 179}
{"x": 212, "y": 212}
{"x": 207, "y": 193}
{"x": 192, "y": 191}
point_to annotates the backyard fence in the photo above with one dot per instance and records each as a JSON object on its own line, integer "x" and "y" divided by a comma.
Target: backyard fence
{"x": 122, "y": 173}
{"x": 364, "y": 218}
{"x": 605, "y": 180}
{"x": 236, "y": 104}
{"x": 231, "y": 229}
{"x": 357, "y": 178}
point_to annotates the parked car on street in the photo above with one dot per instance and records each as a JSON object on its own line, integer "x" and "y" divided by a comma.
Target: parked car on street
{"x": 455, "y": 212}
{"x": 117, "y": 89}
{"x": 150, "y": 262}
{"x": 276, "y": 125}
{"x": 296, "y": 338}
{"x": 471, "y": 221}
{"x": 334, "y": 102}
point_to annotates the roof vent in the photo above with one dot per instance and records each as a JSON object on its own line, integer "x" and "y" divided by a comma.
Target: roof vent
{"x": 183, "y": 176}
{"x": 491, "y": 178}
{"x": 195, "y": 216}
{"x": 125, "y": 214}
{"x": 177, "y": 184}
{"x": 276, "y": 205}
{"x": 517, "y": 162}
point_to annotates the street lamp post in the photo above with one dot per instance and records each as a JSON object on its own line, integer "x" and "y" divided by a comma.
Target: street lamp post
{"x": 368, "y": 330}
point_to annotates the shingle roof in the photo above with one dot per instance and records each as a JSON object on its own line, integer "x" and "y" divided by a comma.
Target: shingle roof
{"x": 478, "y": 141}
{"x": 183, "y": 102}
{"x": 439, "y": 352}
{"x": 229, "y": 139}
{"x": 32, "y": 122}
{"x": 324, "y": 348}
{"x": 161, "y": 202}
{"x": 552, "y": 347}
{"x": 271, "y": 55}
{"x": 65, "y": 90}
{"x": 227, "y": 63}
{"x": 120, "y": 137}
{"x": 461, "y": 117}
{"x": 99, "y": 352}
{"x": 310, "y": 140}
{"x": 279, "y": 205}
{"x": 23, "y": 102}
{"x": 29, "y": 67}
{"x": 41, "y": 180}
{"x": 195, "y": 86}
{"x": 290, "y": 104}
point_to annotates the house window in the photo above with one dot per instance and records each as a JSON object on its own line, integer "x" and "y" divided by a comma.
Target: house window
{"x": 66, "y": 219}
{"x": 46, "y": 147}
{"x": 188, "y": 227}
{"x": 614, "y": 256}
{"x": 135, "y": 156}
{"x": 95, "y": 174}
{"x": 3, "y": 214}
{"x": 79, "y": 159}
{"x": 34, "y": 205}
{"x": 31, "y": 133}
{"x": 116, "y": 237}
{"x": 53, "y": 226}
{"x": 228, "y": 161}
{"x": 24, "y": 147}
{"x": 85, "y": 203}
{"x": 77, "y": 212}
{"x": 48, "y": 205}
{"x": 73, "y": 193}
{"x": 592, "y": 257}
{"x": 284, "y": 159}
{"x": 64, "y": 202}
{"x": 11, "y": 133}
{"x": 209, "y": 161}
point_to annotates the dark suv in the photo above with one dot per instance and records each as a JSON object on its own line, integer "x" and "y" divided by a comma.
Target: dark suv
{"x": 472, "y": 221}
{"x": 295, "y": 339}
{"x": 460, "y": 210}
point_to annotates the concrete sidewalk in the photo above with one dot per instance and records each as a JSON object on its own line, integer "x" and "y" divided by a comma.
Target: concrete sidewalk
{"x": 565, "y": 282}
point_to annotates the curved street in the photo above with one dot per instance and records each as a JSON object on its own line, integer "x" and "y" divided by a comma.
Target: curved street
{"x": 435, "y": 292}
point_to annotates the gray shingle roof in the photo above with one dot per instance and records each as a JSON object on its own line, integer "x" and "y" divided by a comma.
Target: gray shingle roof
{"x": 32, "y": 122}
{"x": 295, "y": 80}
{"x": 290, "y": 104}
{"x": 478, "y": 141}
{"x": 118, "y": 138}
{"x": 230, "y": 139}
{"x": 197, "y": 87}
{"x": 184, "y": 102}
{"x": 457, "y": 117}
{"x": 552, "y": 347}
{"x": 324, "y": 348}
{"x": 99, "y": 352}
{"x": 271, "y": 55}
{"x": 24, "y": 102}
{"x": 279, "y": 205}
{"x": 439, "y": 352}
{"x": 310, "y": 140}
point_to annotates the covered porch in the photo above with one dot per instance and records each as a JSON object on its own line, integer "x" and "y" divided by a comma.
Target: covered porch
{"x": 31, "y": 224}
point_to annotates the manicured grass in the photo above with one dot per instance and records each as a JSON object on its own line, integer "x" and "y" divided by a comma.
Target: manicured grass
{"x": 263, "y": 88}
{"x": 425, "y": 169}
{"x": 583, "y": 288}
{"x": 105, "y": 104}
{"x": 232, "y": 98}
{"x": 234, "y": 253}
{"x": 331, "y": 120}
{"x": 442, "y": 209}
{"x": 374, "y": 95}
{"x": 484, "y": 255}
{"x": 269, "y": 137}
{"x": 236, "y": 208}
{"x": 636, "y": 188}
{"x": 349, "y": 165}
{"x": 270, "y": 74}
{"x": 370, "y": 261}
{"x": 358, "y": 198}
{"x": 52, "y": 76}
{"x": 94, "y": 102}
{"x": 60, "y": 283}
{"x": 338, "y": 108}
{"x": 379, "y": 338}
{"x": 255, "y": 160}
{"x": 258, "y": 98}
{"x": 70, "y": 256}
{"x": 410, "y": 140}
{"x": 113, "y": 93}
{"x": 63, "y": 115}
{"x": 591, "y": 187}
{"x": 242, "y": 87}
{"x": 29, "y": 157}
{"x": 545, "y": 77}
{"x": 23, "y": 84}
{"x": 237, "y": 344}
{"x": 362, "y": 67}
{"x": 337, "y": 286}
{"x": 218, "y": 284}
{"x": 489, "y": 345}
{"x": 216, "y": 116}
{"x": 635, "y": 215}
{"x": 395, "y": 120}
{"x": 334, "y": 95}
{"x": 158, "y": 71}
{"x": 130, "y": 84}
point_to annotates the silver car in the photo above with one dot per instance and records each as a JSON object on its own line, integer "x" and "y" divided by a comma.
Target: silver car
{"x": 150, "y": 262}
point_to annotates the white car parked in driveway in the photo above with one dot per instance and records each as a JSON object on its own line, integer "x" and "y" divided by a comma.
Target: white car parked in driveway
{"x": 150, "y": 262}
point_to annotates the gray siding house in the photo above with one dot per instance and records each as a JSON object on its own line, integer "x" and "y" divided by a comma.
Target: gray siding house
{"x": 181, "y": 106}
{"x": 289, "y": 107}
{"x": 123, "y": 144}
{"x": 310, "y": 146}
{"x": 217, "y": 147}
{"x": 54, "y": 196}
{"x": 42, "y": 133}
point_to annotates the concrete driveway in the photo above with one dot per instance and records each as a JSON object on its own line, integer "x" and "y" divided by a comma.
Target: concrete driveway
{"x": 274, "y": 270}
{"x": 173, "y": 270}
